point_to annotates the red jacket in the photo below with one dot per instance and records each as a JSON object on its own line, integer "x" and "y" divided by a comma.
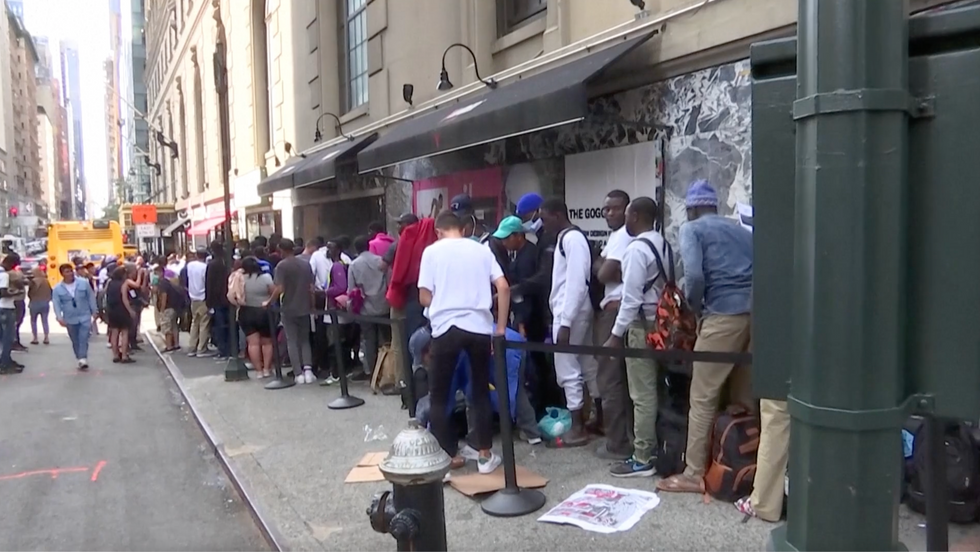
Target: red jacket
{"x": 412, "y": 241}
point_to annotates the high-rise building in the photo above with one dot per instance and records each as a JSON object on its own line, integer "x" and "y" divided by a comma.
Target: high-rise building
{"x": 6, "y": 117}
{"x": 72, "y": 88}
{"x": 17, "y": 9}
{"x": 112, "y": 129}
{"x": 133, "y": 89}
{"x": 48, "y": 112}
{"x": 25, "y": 194}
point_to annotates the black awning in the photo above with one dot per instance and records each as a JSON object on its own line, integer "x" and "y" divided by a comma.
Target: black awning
{"x": 322, "y": 165}
{"x": 556, "y": 97}
{"x": 281, "y": 179}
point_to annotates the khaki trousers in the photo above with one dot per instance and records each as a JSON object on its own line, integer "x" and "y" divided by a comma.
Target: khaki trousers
{"x": 721, "y": 333}
{"x": 200, "y": 327}
{"x": 768, "y": 489}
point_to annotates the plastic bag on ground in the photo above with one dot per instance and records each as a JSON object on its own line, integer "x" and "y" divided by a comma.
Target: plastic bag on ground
{"x": 555, "y": 422}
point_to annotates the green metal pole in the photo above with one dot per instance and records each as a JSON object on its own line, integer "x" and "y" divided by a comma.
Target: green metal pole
{"x": 848, "y": 360}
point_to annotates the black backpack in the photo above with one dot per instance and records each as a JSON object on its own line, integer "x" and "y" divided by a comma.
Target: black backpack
{"x": 962, "y": 472}
{"x": 673, "y": 404}
{"x": 596, "y": 288}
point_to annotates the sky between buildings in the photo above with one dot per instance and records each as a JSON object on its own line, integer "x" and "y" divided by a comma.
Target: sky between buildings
{"x": 85, "y": 22}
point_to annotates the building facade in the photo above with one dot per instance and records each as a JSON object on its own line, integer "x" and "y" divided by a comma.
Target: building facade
{"x": 25, "y": 191}
{"x": 6, "y": 116}
{"x": 72, "y": 97}
{"x": 47, "y": 120}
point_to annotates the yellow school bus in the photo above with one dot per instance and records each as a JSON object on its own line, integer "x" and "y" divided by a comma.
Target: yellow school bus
{"x": 92, "y": 240}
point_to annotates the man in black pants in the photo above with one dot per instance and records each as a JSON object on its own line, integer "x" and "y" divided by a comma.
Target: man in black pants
{"x": 454, "y": 284}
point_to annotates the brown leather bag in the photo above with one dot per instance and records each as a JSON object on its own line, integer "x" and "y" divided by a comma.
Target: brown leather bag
{"x": 734, "y": 449}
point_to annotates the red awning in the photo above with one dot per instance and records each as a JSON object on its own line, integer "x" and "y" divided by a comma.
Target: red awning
{"x": 202, "y": 228}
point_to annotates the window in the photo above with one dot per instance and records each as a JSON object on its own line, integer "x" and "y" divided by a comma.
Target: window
{"x": 355, "y": 63}
{"x": 512, "y": 14}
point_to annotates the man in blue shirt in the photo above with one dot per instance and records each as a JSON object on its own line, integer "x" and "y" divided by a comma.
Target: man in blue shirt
{"x": 717, "y": 256}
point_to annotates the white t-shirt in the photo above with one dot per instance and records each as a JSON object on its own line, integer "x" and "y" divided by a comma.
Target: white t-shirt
{"x": 458, "y": 272}
{"x": 614, "y": 250}
{"x": 570, "y": 274}
{"x": 5, "y": 302}
{"x": 196, "y": 279}
{"x": 70, "y": 287}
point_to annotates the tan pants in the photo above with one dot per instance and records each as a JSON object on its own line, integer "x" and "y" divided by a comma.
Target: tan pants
{"x": 768, "y": 490}
{"x": 200, "y": 327}
{"x": 724, "y": 334}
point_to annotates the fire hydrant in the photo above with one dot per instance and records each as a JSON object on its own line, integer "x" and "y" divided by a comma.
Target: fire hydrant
{"x": 413, "y": 512}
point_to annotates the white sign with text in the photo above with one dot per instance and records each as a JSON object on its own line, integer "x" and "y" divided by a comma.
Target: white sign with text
{"x": 635, "y": 169}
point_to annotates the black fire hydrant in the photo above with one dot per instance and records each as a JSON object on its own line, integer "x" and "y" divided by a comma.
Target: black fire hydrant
{"x": 413, "y": 511}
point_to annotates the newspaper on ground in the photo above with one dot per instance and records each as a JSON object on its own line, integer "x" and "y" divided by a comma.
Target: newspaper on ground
{"x": 603, "y": 508}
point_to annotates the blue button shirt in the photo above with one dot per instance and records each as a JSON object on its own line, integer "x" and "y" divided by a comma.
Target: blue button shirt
{"x": 717, "y": 256}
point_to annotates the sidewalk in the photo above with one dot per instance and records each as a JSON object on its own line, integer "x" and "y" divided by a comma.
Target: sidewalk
{"x": 292, "y": 455}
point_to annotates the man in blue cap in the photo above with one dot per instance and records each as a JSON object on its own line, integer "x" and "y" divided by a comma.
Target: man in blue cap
{"x": 717, "y": 256}
{"x": 462, "y": 206}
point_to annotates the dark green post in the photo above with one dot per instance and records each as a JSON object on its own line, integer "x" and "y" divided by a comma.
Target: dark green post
{"x": 850, "y": 242}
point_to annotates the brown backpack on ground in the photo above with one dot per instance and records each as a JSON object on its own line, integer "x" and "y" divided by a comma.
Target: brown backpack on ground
{"x": 734, "y": 448}
{"x": 385, "y": 370}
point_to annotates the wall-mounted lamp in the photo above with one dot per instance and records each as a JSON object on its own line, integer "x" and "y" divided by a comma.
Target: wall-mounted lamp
{"x": 317, "y": 135}
{"x": 168, "y": 143}
{"x": 640, "y": 4}
{"x": 408, "y": 89}
{"x": 445, "y": 84}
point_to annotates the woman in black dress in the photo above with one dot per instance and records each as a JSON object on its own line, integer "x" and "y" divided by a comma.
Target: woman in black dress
{"x": 119, "y": 314}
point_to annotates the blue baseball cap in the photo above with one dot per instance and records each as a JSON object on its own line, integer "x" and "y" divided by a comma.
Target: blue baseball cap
{"x": 528, "y": 203}
{"x": 508, "y": 226}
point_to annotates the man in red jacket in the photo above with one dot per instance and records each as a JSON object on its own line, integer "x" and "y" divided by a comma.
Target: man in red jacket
{"x": 403, "y": 293}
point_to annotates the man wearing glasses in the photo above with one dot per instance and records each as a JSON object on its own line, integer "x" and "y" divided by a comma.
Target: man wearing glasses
{"x": 75, "y": 308}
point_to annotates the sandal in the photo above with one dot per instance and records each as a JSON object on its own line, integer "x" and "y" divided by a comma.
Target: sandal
{"x": 116, "y": 360}
{"x": 34, "y": 341}
{"x": 744, "y": 505}
{"x": 127, "y": 360}
{"x": 679, "y": 483}
{"x": 46, "y": 342}
{"x": 457, "y": 462}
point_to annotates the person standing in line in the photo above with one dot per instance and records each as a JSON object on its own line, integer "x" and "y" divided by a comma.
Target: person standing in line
{"x": 337, "y": 286}
{"x": 74, "y": 308}
{"x": 572, "y": 311}
{"x": 39, "y": 296}
{"x": 19, "y": 281}
{"x": 717, "y": 256}
{"x": 367, "y": 275}
{"x": 216, "y": 299}
{"x": 169, "y": 300}
{"x": 200, "y": 315}
{"x": 254, "y": 318}
{"x": 613, "y": 409}
{"x": 8, "y": 315}
{"x": 294, "y": 282}
{"x": 119, "y": 314}
{"x": 378, "y": 240}
{"x": 459, "y": 308}
{"x": 647, "y": 263}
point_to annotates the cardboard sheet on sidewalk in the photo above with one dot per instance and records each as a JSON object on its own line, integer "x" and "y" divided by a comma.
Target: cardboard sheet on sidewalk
{"x": 366, "y": 470}
{"x": 473, "y": 484}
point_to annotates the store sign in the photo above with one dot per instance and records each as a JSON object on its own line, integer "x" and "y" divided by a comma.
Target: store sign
{"x": 637, "y": 170}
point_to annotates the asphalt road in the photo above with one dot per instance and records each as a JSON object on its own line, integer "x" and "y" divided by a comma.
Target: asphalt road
{"x": 108, "y": 460}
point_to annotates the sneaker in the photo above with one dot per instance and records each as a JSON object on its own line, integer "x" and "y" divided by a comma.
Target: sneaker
{"x": 329, "y": 381}
{"x": 308, "y": 376}
{"x": 487, "y": 465}
{"x": 249, "y": 365}
{"x": 206, "y": 354}
{"x": 531, "y": 440}
{"x": 192, "y": 354}
{"x": 83, "y": 364}
{"x": 469, "y": 453}
{"x": 632, "y": 468}
{"x": 109, "y": 346}
{"x": 298, "y": 378}
{"x": 220, "y": 358}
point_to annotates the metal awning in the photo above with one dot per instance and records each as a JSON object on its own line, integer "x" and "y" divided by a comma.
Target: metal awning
{"x": 322, "y": 165}
{"x": 281, "y": 179}
{"x": 180, "y": 222}
{"x": 555, "y": 97}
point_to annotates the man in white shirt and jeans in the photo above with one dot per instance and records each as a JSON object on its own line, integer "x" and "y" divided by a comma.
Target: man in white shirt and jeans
{"x": 200, "y": 315}
{"x": 8, "y": 316}
{"x": 455, "y": 275}
{"x": 613, "y": 408}
{"x": 645, "y": 262}
{"x": 571, "y": 309}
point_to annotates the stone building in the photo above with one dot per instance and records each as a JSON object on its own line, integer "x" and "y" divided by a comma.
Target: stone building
{"x": 24, "y": 181}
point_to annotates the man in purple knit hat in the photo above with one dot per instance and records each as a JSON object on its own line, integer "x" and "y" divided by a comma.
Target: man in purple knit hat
{"x": 717, "y": 256}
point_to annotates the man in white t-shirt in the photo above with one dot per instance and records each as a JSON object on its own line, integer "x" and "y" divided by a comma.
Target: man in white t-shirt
{"x": 571, "y": 309}
{"x": 455, "y": 275}
{"x": 8, "y": 315}
{"x": 613, "y": 408}
{"x": 200, "y": 314}
{"x": 645, "y": 262}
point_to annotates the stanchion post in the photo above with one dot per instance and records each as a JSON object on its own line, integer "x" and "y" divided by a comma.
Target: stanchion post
{"x": 279, "y": 382}
{"x": 408, "y": 374}
{"x": 511, "y": 501}
{"x": 345, "y": 400}
{"x": 937, "y": 497}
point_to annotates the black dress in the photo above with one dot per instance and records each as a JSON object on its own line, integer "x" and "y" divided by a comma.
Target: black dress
{"x": 117, "y": 315}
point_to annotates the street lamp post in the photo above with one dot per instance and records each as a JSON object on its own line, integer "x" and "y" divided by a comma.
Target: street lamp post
{"x": 235, "y": 369}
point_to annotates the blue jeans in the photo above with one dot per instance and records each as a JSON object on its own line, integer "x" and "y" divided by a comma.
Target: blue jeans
{"x": 219, "y": 330}
{"x": 8, "y": 327}
{"x": 416, "y": 344}
{"x": 78, "y": 333}
{"x": 39, "y": 309}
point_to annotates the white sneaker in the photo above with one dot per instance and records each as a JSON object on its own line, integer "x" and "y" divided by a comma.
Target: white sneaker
{"x": 469, "y": 453}
{"x": 487, "y": 465}
{"x": 308, "y": 376}
{"x": 83, "y": 363}
{"x": 108, "y": 345}
{"x": 298, "y": 377}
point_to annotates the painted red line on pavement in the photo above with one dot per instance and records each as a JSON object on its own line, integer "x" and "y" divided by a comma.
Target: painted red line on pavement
{"x": 98, "y": 470}
{"x": 54, "y": 473}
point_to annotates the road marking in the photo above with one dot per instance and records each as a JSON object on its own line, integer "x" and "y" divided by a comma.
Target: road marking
{"x": 98, "y": 470}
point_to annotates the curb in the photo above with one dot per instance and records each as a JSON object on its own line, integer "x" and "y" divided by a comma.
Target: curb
{"x": 266, "y": 527}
